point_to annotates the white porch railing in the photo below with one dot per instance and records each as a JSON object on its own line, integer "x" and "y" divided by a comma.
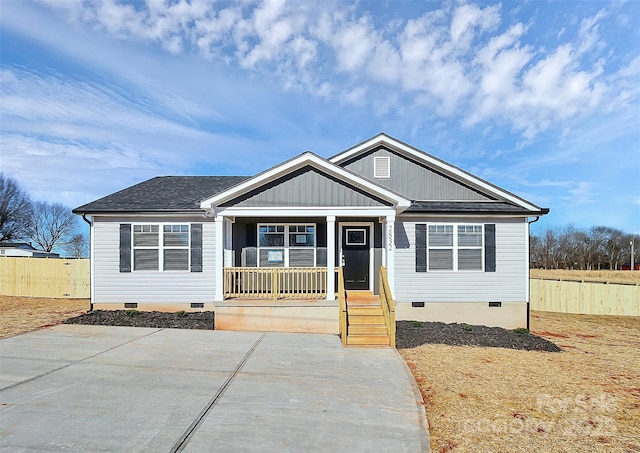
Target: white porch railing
{"x": 275, "y": 282}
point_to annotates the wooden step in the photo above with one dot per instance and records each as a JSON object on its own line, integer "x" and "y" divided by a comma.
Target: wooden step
{"x": 362, "y": 298}
{"x": 364, "y": 310}
{"x": 365, "y": 319}
{"x": 367, "y": 329}
{"x": 371, "y": 300}
{"x": 368, "y": 340}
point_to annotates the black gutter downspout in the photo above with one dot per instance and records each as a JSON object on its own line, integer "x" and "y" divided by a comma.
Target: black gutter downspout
{"x": 84, "y": 217}
{"x": 529, "y": 303}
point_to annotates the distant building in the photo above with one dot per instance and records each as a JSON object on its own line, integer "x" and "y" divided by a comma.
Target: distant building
{"x": 24, "y": 249}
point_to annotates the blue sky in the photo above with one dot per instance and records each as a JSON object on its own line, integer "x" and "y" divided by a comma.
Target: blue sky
{"x": 540, "y": 98}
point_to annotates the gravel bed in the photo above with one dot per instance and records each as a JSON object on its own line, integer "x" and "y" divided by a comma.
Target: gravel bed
{"x": 202, "y": 320}
{"x": 410, "y": 334}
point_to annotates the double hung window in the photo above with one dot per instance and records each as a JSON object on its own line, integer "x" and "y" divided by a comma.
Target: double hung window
{"x": 160, "y": 247}
{"x": 284, "y": 245}
{"x": 455, "y": 247}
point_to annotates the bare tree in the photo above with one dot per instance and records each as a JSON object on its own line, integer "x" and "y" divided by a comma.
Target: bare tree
{"x": 15, "y": 210}
{"x": 598, "y": 247}
{"x": 52, "y": 224}
{"x": 76, "y": 247}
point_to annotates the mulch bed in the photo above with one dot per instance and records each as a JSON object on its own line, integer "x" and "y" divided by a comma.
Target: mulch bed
{"x": 410, "y": 334}
{"x": 202, "y": 320}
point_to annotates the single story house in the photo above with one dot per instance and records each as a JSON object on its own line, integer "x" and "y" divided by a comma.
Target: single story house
{"x": 24, "y": 249}
{"x": 273, "y": 251}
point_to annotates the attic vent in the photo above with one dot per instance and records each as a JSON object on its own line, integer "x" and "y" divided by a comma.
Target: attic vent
{"x": 381, "y": 167}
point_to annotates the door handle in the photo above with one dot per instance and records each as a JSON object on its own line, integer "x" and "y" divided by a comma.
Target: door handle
{"x": 342, "y": 262}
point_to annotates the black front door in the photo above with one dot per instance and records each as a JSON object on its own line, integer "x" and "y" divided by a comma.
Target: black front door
{"x": 355, "y": 256}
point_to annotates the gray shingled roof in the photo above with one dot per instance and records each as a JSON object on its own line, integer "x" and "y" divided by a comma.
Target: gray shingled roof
{"x": 163, "y": 193}
{"x": 469, "y": 207}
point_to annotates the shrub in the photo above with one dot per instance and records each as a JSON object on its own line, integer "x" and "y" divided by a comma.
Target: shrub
{"x": 131, "y": 312}
{"x": 521, "y": 331}
{"x": 418, "y": 324}
{"x": 181, "y": 314}
{"x": 467, "y": 327}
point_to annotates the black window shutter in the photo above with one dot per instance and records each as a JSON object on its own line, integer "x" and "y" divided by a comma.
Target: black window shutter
{"x": 125, "y": 247}
{"x": 490, "y": 247}
{"x": 196, "y": 247}
{"x": 421, "y": 247}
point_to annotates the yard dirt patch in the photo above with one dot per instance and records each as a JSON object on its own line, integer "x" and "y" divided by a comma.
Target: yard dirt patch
{"x": 586, "y": 398}
{"x": 24, "y": 314}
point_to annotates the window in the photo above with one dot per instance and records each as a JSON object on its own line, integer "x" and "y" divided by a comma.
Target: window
{"x": 469, "y": 247}
{"x": 287, "y": 245}
{"x": 145, "y": 247}
{"x": 152, "y": 252}
{"x": 356, "y": 236}
{"x": 302, "y": 235}
{"x": 381, "y": 167}
{"x": 176, "y": 247}
{"x": 454, "y": 248}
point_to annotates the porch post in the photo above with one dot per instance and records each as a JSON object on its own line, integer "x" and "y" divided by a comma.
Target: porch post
{"x": 219, "y": 257}
{"x": 228, "y": 241}
{"x": 331, "y": 257}
{"x": 390, "y": 251}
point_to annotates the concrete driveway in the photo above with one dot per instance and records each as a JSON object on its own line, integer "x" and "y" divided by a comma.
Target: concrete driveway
{"x": 92, "y": 388}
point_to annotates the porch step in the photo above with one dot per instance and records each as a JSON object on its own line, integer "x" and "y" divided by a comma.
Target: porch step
{"x": 367, "y": 310}
{"x": 362, "y": 298}
{"x": 366, "y": 327}
{"x": 368, "y": 340}
{"x": 365, "y": 319}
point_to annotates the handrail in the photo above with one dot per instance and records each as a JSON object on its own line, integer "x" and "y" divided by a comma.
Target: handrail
{"x": 388, "y": 306}
{"x": 342, "y": 302}
{"x": 275, "y": 282}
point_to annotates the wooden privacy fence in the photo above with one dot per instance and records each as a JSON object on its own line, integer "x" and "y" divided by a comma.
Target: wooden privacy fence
{"x": 44, "y": 277}
{"x": 585, "y": 297}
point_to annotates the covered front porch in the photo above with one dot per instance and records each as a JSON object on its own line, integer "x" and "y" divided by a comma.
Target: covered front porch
{"x": 295, "y": 258}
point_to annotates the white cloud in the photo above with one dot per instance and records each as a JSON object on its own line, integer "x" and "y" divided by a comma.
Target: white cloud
{"x": 460, "y": 60}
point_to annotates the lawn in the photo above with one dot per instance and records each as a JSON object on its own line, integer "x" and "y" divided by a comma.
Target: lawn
{"x": 24, "y": 314}
{"x": 584, "y": 399}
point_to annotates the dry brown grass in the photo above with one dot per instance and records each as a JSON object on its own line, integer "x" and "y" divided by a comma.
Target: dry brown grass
{"x": 611, "y": 276}
{"x": 585, "y": 399}
{"x": 24, "y": 314}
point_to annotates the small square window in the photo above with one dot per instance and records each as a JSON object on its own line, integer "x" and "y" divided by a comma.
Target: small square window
{"x": 356, "y": 236}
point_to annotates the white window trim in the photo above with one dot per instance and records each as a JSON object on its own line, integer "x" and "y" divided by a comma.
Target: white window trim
{"x": 161, "y": 247}
{"x": 286, "y": 247}
{"x": 455, "y": 247}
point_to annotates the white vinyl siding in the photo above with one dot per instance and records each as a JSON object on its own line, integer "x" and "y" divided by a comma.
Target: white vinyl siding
{"x": 113, "y": 286}
{"x": 507, "y": 284}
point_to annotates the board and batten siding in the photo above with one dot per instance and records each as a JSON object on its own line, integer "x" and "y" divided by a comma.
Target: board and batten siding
{"x": 506, "y": 284}
{"x": 112, "y": 286}
{"x": 307, "y": 187}
{"x": 413, "y": 180}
